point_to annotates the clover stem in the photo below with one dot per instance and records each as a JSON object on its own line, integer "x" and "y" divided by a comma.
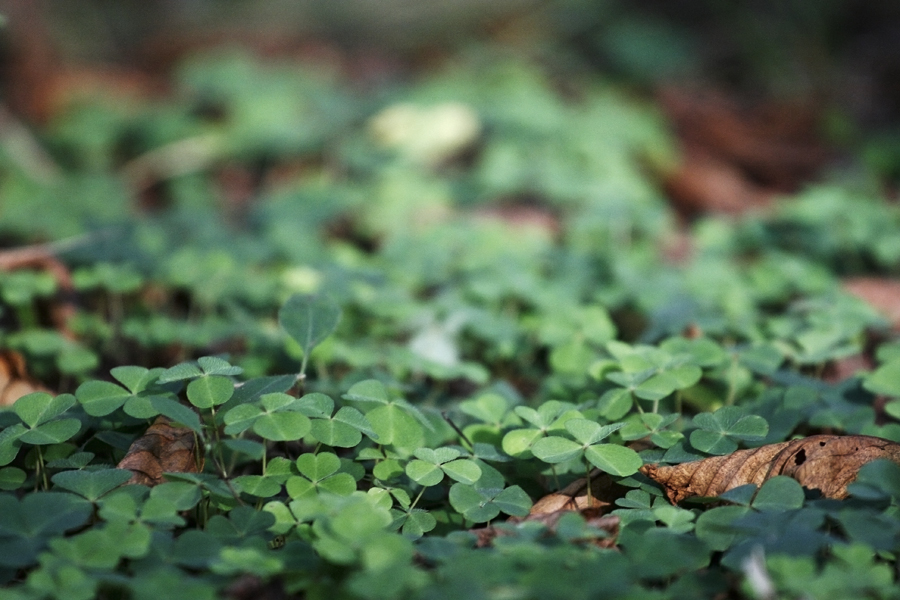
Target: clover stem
{"x": 301, "y": 377}
{"x": 458, "y": 431}
{"x": 416, "y": 501}
{"x": 732, "y": 383}
{"x": 40, "y": 472}
{"x": 590, "y": 497}
{"x": 555, "y": 477}
{"x": 656, "y": 406}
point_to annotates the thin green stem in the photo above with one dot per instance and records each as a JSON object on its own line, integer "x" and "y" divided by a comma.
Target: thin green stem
{"x": 416, "y": 501}
{"x": 40, "y": 471}
{"x": 590, "y": 496}
{"x": 459, "y": 432}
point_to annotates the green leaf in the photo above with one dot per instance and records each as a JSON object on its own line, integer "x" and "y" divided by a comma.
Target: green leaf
{"x": 387, "y": 469}
{"x": 11, "y": 478}
{"x": 183, "y": 495}
{"x": 257, "y": 485}
{"x": 719, "y": 430}
{"x": 341, "y": 484}
{"x": 462, "y": 470}
{"x": 54, "y": 432}
{"x": 180, "y": 372}
{"x": 332, "y": 433}
{"x": 309, "y": 319}
{"x": 417, "y": 523}
{"x": 517, "y": 443}
{"x": 209, "y": 391}
{"x": 318, "y": 466}
{"x": 779, "y": 493}
{"x": 91, "y": 484}
{"x": 241, "y": 418}
{"x": 885, "y": 380}
{"x": 9, "y": 442}
{"x": 100, "y": 398}
{"x": 488, "y": 408}
{"x": 475, "y": 505}
{"x": 348, "y": 415}
{"x": 424, "y": 473}
{"x": 316, "y": 405}
{"x": 712, "y": 442}
{"x": 39, "y": 407}
{"x": 178, "y": 412}
{"x": 282, "y": 426}
{"x": 213, "y": 365}
{"x": 716, "y": 526}
{"x": 614, "y": 459}
{"x": 615, "y": 404}
{"x": 395, "y": 426}
{"x": 589, "y": 432}
{"x": 135, "y": 379}
{"x": 513, "y": 501}
{"x": 554, "y": 449}
{"x": 369, "y": 390}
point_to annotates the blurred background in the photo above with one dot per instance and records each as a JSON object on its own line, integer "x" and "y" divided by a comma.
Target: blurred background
{"x": 828, "y": 70}
{"x": 220, "y": 155}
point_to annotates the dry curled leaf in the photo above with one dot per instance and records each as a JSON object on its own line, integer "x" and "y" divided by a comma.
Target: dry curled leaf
{"x": 827, "y": 463}
{"x": 162, "y": 449}
{"x": 14, "y": 379}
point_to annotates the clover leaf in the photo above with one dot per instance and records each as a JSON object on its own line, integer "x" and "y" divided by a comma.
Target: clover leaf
{"x": 430, "y": 466}
{"x": 319, "y": 472}
{"x": 41, "y": 413}
{"x": 612, "y": 458}
{"x": 720, "y": 431}
{"x": 308, "y": 320}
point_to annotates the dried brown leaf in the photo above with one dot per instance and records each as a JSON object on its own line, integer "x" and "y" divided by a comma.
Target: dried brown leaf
{"x": 604, "y": 493}
{"x": 827, "y": 463}
{"x": 162, "y": 449}
{"x": 881, "y": 294}
{"x": 14, "y": 379}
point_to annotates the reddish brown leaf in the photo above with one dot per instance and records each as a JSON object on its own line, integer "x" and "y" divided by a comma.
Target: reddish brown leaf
{"x": 881, "y": 294}
{"x": 736, "y": 157}
{"x": 824, "y": 462}
{"x": 162, "y": 449}
{"x": 14, "y": 379}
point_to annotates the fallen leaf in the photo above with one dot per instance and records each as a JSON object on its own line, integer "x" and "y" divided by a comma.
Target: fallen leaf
{"x": 736, "y": 156}
{"x": 604, "y": 492}
{"x": 881, "y": 294}
{"x": 42, "y": 257}
{"x": 162, "y": 449}
{"x": 827, "y": 463}
{"x": 14, "y": 379}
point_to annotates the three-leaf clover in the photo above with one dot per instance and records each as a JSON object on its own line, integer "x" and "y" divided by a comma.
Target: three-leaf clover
{"x": 275, "y": 417}
{"x": 42, "y": 422}
{"x": 319, "y": 472}
{"x": 430, "y": 466}
{"x": 611, "y": 458}
{"x": 720, "y": 431}
{"x": 135, "y": 394}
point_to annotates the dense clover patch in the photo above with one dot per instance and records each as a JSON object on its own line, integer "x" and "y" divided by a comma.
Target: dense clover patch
{"x": 426, "y": 370}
